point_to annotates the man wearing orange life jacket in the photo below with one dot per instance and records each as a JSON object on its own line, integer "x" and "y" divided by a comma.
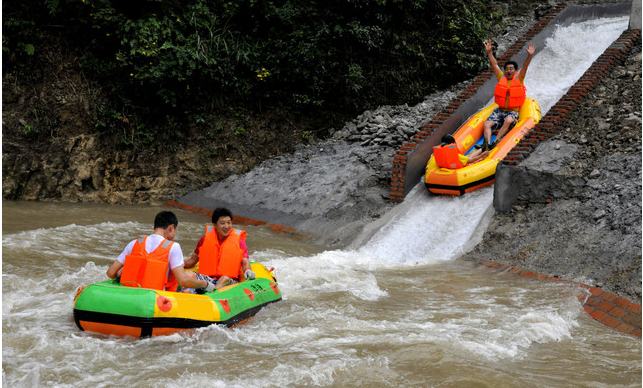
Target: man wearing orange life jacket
{"x": 509, "y": 94}
{"x": 222, "y": 253}
{"x": 155, "y": 261}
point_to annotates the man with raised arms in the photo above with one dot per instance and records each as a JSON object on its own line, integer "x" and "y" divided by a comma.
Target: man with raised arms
{"x": 509, "y": 94}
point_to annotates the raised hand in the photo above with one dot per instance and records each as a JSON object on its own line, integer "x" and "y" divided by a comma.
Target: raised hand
{"x": 488, "y": 46}
{"x": 531, "y": 48}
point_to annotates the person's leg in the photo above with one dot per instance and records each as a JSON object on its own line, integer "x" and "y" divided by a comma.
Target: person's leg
{"x": 487, "y": 127}
{"x": 509, "y": 120}
{"x": 222, "y": 282}
{"x": 504, "y": 129}
{"x": 493, "y": 121}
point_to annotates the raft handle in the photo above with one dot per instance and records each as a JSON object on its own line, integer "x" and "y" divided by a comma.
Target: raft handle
{"x": 131, "y": 281}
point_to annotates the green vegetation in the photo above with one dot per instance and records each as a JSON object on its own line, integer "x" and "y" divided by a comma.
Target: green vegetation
{"x": 194, "y": 56}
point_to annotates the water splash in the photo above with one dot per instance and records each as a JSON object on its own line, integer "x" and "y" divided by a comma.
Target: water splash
{"x": 568, "y": 53}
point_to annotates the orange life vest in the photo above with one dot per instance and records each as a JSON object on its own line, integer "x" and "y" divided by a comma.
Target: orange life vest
{"x": 510, "y": 96}
{"x": 149, "y": 270}
{"x": 447, "y": 156}
{"x": 215, "y": 259}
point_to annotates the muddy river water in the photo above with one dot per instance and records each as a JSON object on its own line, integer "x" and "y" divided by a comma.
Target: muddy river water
{"x": 348, "y": 318}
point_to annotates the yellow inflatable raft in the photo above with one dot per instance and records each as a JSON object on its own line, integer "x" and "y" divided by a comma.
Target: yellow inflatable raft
{"x": 111, "y": 308}
{"x": 440, "y": 180}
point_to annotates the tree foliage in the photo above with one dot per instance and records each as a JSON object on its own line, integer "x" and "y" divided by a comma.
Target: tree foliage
{"x": 331, "y": 54}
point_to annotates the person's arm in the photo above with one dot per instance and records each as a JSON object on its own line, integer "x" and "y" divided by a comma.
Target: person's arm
{"x": 188, "y": 281}
{"x": 113, "y": 269}
{"x": 194, "y": 256}
{"x": 245, "y": 264}
{"x": 117, "y": 265}
{"x": 191, "y": 260}
{"x": 477, "y": 155}
{"x": 246, "y": 269}
{"x": 531, "y": 49}
{"x": 492, "y": 60}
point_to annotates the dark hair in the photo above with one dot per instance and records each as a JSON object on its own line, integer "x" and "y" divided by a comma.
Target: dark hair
{"x": 164, "y": 219}
{"x": 511, "y": 63}
{"x": 220, "y": 212}
{"x": 447, "y": 138}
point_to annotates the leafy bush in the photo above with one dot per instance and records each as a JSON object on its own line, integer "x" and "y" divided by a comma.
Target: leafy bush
{"x": 334, "y": 54}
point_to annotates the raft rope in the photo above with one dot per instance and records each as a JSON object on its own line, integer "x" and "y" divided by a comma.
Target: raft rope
{"x": 209, "y": 299}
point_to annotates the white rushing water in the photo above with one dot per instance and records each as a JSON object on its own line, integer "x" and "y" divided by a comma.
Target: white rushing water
{"x": 397, "y": 310}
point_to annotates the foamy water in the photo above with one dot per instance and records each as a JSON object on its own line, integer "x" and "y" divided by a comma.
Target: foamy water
{"x": 568, "y": 53}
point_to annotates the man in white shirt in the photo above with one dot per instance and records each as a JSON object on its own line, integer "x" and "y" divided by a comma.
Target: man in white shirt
{"x": 160, "y": 244}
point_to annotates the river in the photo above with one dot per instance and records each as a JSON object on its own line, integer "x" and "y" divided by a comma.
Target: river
{"x": 394, "y": 310}
{"x": 368, "y": 317}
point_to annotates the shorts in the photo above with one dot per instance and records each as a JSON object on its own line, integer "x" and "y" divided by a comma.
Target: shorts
{"x": 212, "y": 280}
{"x": 498, "y": 116}
{"x": 202, "y": 277}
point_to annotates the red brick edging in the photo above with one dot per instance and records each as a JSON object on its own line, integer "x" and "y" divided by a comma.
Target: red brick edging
{"x": 239, "y": 220}
{"x": 606, "y": 307}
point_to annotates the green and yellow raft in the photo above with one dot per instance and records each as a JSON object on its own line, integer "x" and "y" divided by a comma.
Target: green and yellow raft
{"x": 113, "y": 309}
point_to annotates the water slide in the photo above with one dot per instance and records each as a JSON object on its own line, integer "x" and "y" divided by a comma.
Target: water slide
{"x": 572, "y": 14}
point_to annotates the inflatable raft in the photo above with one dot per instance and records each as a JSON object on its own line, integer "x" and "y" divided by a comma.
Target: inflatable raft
{"x": 458, "y": 181}
{"x": 113, "y": 309}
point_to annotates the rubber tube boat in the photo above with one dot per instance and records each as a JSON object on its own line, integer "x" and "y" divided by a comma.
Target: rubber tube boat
{"x": 114, "y": 309}
{"x": 473, "y": 176}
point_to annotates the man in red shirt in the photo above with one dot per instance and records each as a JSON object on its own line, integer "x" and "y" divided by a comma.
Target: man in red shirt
{"x": 222, "y": 252}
